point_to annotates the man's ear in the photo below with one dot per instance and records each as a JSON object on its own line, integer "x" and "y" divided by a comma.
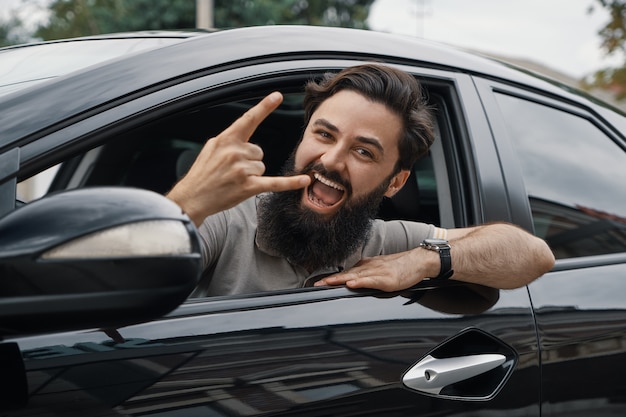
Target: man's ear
{"x": 397, "y": 182}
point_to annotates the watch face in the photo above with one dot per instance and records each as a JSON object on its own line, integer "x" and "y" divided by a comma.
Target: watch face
{"x": 435, "y": 242}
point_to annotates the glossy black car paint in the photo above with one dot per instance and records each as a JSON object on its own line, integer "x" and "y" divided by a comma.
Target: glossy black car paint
{"x": 317, "y": 352}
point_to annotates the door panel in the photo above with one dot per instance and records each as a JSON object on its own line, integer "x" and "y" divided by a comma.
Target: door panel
{"x": 332, "y": 350}
{"x": 582, "y": 327}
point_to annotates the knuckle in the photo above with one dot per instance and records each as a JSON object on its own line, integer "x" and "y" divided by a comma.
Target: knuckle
{"x": 254, "y": 168}
{"x": 254, "y": 151}
{"x": 239, "y": 170}
{"x": 258, "y": 150}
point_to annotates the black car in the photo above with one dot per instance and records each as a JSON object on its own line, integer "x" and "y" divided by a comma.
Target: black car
{"x": 88, "y": 332}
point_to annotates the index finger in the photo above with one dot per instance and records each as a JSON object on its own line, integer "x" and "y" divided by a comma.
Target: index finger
{"x": 246, "y": 124}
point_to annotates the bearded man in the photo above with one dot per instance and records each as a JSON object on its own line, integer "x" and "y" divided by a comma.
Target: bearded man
{"x": 365, "y": 127}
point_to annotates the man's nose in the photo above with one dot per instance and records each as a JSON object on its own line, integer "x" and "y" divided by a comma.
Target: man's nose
{"x": 333, "y": 158}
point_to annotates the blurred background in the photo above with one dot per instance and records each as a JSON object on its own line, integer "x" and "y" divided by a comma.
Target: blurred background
{"x": 579, "y": 42}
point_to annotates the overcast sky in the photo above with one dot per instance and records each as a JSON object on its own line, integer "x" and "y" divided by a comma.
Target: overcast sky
{"x": 558, "y": 33}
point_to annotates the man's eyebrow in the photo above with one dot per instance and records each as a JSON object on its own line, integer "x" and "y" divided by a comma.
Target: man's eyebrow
{"x": 370, "y": 141}
{"x": 325, "y": 123}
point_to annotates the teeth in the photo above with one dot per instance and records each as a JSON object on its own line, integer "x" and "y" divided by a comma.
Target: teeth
{"x": 327, "y": 182}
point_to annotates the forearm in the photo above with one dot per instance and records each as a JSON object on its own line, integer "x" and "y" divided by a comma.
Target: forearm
{"x": 499, "y": 255}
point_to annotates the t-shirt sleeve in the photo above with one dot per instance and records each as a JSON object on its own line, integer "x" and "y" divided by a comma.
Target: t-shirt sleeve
{"x": 399, "y": 236}
{"x": 213, "y": 231}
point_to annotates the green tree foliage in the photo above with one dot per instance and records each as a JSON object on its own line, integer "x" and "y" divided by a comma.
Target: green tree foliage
{"x": 11, "y": 31}
{"x": 71, "y": 18}
{"x": 341, "y": 13}
{"x": 613, "y": 36}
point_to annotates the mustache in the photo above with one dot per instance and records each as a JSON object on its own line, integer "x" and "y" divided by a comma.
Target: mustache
{"x": 334, "y": 176}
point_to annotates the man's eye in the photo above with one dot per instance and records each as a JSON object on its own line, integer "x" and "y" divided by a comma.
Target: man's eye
{"x": 324, "y": 134}
{"x": 365, "y": 153}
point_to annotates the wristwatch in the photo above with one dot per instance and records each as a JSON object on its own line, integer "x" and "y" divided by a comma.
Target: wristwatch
{"x": 443, "y": 247}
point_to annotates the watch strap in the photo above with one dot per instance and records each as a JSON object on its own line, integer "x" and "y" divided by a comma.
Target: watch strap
{"x": 445, "y": 271}
{"x": 442, "y": 246}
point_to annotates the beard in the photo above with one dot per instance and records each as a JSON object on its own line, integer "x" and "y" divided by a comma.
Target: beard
{"x": 309, "y": 239}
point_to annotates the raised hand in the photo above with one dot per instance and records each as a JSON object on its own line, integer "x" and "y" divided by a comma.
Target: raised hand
{"x": 229, "y": 168}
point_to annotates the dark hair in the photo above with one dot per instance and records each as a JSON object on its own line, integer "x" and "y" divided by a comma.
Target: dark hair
{"x": 396, "y": 89}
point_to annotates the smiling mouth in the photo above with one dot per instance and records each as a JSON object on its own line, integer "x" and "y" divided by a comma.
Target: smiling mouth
{"x": 323, "y": 193}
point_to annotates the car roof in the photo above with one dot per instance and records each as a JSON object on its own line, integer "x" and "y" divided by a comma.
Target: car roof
{"x": 24, "y": 65}
{"x": 130, "y": 73}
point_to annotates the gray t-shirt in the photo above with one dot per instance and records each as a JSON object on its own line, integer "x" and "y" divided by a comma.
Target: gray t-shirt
{"x": 236, "y": 261}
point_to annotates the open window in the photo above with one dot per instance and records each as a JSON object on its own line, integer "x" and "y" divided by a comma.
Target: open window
{"x": 157, "y": 153}
{"x": 154, "y": 149}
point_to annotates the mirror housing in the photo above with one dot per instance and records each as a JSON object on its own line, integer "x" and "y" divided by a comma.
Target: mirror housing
{"x": 94, "y": 257}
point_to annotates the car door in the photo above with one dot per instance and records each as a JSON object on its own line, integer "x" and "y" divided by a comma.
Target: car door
{"x": 308, "y": 351}
{"x": 568, "y": 166}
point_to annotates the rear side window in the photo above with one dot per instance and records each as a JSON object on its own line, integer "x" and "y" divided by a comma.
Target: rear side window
{"x": 575, "y": 177}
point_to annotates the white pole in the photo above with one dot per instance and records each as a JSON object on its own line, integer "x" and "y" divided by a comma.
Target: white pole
{"x": 204, "y": 14}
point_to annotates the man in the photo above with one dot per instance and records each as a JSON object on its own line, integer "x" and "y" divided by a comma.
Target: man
{"x": 365, "y": 126}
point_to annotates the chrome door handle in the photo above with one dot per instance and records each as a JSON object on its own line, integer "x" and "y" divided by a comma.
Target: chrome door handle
{"x": 431, "y": 375}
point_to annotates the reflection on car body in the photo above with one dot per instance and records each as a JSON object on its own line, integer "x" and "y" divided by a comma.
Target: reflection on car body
{"x": 510, "y": 147}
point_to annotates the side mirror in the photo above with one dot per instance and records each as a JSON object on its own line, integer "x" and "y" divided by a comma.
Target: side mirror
{"x": 94, "y": 257}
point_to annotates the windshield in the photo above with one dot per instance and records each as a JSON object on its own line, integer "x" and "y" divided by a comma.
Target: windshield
{"x": 23, "y": 66}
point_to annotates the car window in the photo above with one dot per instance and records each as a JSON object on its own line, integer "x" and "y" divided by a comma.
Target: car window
{"x": 574, "y": 175}
{"x": 154, "y": 149}
{"x": 155, "y": 155}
